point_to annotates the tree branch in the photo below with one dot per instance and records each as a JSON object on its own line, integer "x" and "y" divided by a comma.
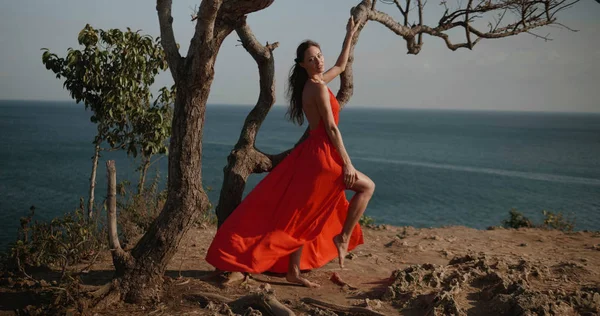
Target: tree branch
{"x": 244, "y": 159}
{"x": 266, "y": 69}
{"x": 530, "y": 14}
{"x": 421, "y": 5}
{"x": 207, "y": 14}
{"x": 267, "y": 302}
{"x": 341, "y": 308}
{"x": 266, "y": 162}
{"x": 167, "y": 37}
{"x": 360, "y": 14}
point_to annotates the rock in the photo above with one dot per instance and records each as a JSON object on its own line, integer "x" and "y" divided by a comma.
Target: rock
{"x": 446, "y": 253}
{"x": 371, "y": 304}
{"x": 463, "y": 259}
{"x": 266, "y": 287}
{"x": 392, "y": 242}
{"x": 351, "y": 256}
{"x": 523, "y": 245}
{"x": 389, "y": 294}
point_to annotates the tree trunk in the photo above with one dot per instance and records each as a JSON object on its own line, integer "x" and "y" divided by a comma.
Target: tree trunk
{"x": 186, "y": 197}
{"x": 141, "y": 279}
{"x": 93, "y": 181}
{"x": 121, "y": 259}
{"x": 143, "y": 172}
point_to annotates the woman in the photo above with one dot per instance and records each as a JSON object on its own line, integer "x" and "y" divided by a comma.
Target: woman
{"x": 298, "y": 217}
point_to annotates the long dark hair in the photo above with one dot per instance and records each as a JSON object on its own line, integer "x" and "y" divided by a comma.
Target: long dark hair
{"x": 296, "y": 81}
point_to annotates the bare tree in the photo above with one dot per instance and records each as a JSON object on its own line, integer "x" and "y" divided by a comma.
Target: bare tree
{"x": 504, "y": 18}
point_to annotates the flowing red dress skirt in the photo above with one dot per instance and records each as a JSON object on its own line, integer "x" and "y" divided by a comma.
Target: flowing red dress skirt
{"x": 301, "y": 202}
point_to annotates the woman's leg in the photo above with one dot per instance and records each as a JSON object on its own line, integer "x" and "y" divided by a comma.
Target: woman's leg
{"x": 293, "y": 274}
{"x": 363, "y": 188}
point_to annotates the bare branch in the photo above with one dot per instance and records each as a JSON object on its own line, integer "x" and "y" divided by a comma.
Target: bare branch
{"x": 566, "y": 27}
{"x": 266, "y": 68}
{"x": 207, "y": 14}
{"x": 194, "y": 14}
{"x": 360, "y": 14}
{"x": 341, "y": 308}
{"x": 167, "y": 37}
{"x": 468, "y": 33}
{"x": 239, "y": 8}
{"x": 245, "y": 159}
{"x": 421, "y": 5}
{"x": 216, "y": 18}
{"x": 530, "y": 14}
{"x": 267, "y": 162}
{"x": 404, "y": 31}
{"x": 545, "y": 38}
{"x": 406, "y": 12}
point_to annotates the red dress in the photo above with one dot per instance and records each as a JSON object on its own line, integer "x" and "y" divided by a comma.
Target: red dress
{"x": 300, "y": 202}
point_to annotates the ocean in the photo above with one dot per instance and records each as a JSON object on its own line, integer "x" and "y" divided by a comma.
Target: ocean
{"x": 432, "y": 168}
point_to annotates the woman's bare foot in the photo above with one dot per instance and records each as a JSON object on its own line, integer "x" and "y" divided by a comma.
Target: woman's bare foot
{"x": 295, "y": 278}
{"x": 342, "y": 248}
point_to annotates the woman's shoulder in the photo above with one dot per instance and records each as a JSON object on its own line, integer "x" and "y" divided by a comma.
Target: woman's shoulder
{"x": 315, "y": 87}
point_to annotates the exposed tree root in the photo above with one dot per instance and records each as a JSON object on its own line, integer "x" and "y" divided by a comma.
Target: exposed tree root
{"x": 355, "y": 310}
{"x": 265, "y": 302}
{"x": 102, "y": 296}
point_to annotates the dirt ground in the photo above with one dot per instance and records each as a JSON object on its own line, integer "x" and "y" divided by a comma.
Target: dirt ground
{"x": 398, "y": 271}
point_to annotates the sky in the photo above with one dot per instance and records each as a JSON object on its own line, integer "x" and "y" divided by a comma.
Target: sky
{"x": 521, "y": 73}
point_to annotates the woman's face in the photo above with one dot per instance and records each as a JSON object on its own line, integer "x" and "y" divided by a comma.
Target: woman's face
{"x": 313, "y": 61}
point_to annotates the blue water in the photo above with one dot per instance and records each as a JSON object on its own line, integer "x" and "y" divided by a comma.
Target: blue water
{"x": 432, "y": 168}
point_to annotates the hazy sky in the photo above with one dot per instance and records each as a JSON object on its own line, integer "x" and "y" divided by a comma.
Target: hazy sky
{"x": 519, "y": 73}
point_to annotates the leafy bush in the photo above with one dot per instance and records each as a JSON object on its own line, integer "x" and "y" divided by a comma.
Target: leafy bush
{"x": 551, "y": 221}
{"x": 62, "y": 242}
{"x": 366, "y": 221}
{"x": 517, "y": 220}
{"x": 136, "y": 212}
{"x": 557, "y": 221}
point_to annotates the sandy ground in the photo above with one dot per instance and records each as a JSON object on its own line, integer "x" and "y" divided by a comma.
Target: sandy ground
{"x": 398, "y": 271}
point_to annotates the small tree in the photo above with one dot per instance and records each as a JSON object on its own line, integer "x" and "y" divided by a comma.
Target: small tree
{"x": 112, "y": 76}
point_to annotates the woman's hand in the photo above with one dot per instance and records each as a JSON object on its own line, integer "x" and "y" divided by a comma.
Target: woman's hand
{"x": 351, "y": 27}
{"x": 350, "y": 175}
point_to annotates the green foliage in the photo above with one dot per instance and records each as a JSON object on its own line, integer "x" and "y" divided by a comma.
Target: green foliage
{"x": 551, "y": 221}
{"x": 366, "y": 221}
{"x": 557, "y": 221}
{"x": 137, "y": 211}
{"x": 62, "y": 242}
{"x": 112, "y": 75}
{"x": 516, "y": 220}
